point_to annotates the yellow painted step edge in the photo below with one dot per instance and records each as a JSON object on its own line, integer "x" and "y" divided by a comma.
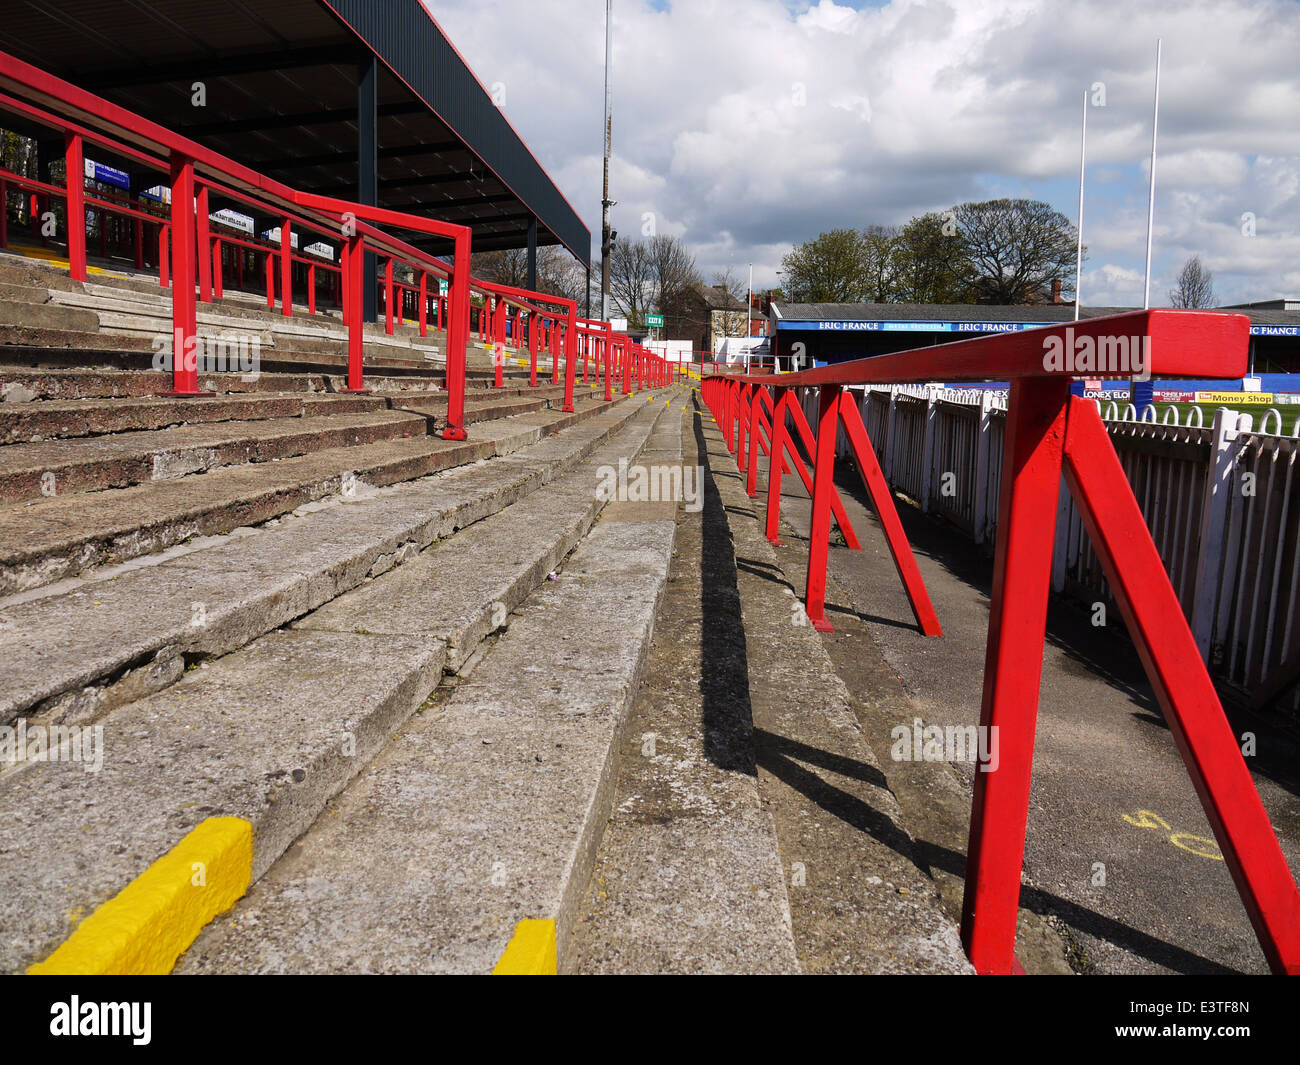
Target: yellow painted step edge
{"x": 530, "y": 952}
{"x": 149, "y": 923}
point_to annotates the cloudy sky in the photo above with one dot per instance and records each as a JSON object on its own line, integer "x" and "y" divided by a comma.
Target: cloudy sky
{"x": 746, "y": 126}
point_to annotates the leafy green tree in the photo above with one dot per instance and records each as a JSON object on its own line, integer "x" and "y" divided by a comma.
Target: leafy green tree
{"x": 931, "y": 264}
{"x": 833, "y": 268}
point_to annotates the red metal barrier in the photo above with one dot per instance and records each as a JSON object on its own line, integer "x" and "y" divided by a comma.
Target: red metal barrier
{"x": 190, "y": 255}
{"x": 1049, "y": 434}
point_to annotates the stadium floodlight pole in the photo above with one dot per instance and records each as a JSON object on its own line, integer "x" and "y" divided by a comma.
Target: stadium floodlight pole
{"x": 1151, "y": 198}
{"x": 605, "y": 202}
{"x": 1078, "y": 258}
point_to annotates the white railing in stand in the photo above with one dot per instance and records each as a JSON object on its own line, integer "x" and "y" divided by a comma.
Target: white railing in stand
{"x": 1222, "y": 502}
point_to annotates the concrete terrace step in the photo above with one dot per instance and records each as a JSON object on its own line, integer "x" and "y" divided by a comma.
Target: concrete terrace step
{"x": 486, "y": 809}
{"x": 864, "y": 903}
{"x": 51, "y": 539}
{"x": 30, "y": 471}
{"x": 232, "y": 739}
{"x": 32, "y": 422}
{"x": 74, "y": 650}
{"x": 24, "y": 384}
{"x": 689, "y": 877}
{"x": 36, "y": 421}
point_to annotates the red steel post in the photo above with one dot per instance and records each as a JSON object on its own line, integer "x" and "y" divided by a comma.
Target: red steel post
{"x": 75, "y": 181}
{"x": 185, "y": 372}
{"x": 873, "y": 479}
{"x": 388, "y": 296}
{"x": 571, "y": 340}
{"x": 286, "y": 268}
{"x": 776, "y": 466}
{"x": 424, "y": 304}
{"x": 202, "y": 243}
{"x": 1031, "y": 478}
{"x": 216, "y": 269}
{"x": 819, "y": 532}
{"x": 457, "y": 338}
{"x": 353, "y": 286}
{"x": 534, "y": 328}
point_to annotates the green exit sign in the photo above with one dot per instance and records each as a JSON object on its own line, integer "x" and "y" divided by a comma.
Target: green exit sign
{"x": 442, "y": 286}
{"x": 654, "y": 320}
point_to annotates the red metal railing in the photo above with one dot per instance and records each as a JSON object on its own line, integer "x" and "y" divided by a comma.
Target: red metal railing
{"x": 194, "y": 172}
{"x": 1049, "y": 434}
{"x": 191, "y": 254}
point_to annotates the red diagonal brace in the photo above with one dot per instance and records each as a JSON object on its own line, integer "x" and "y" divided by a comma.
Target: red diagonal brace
{"x": 873, "y": 480}
{"x": 1191, "y": 706}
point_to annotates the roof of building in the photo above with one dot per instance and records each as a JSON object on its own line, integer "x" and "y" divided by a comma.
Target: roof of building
{"x": 281, "y": 84}
{"x": 717, "y": 298}
{"x": 977, "y": 312}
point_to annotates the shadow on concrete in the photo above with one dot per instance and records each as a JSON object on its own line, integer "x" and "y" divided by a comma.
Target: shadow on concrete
{"x": 1085, "y": 920}
{"x": 727, "y": 715}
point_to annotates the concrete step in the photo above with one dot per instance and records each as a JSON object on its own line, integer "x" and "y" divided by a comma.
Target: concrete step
{"x": 689, "y": 876}
{"x": 52, "y": 539}
{"x": 60, "y": 467}
{"x": 861, "y": 901}
{"x": 486, "y": 808}
{"x": 31, "y": 422}
{"x": 234, "y": 738}
{"x": 78, "y": 649}
{"x": 23, "y": 384}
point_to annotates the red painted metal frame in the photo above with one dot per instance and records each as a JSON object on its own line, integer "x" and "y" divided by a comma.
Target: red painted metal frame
{"x": 184, "y": 239}
{"x": 94, "y": 119}
{"x": 1049, "y": 434}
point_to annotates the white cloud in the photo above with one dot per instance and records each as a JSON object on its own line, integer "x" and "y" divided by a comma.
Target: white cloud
{"x": 748, "y": 125}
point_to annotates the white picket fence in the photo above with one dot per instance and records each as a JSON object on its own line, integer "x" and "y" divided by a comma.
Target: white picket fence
{"x": 1222, "y": 502}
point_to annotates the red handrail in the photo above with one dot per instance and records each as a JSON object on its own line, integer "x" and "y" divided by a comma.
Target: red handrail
{"x": 194, "y": 172}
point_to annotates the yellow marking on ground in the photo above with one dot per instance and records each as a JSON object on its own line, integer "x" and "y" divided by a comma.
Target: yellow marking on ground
{"x": 146, "y": 926}
{"x": 1201, "y": 846}
{"x": 1204, "y": 848}
{"x": 531, "y": 951}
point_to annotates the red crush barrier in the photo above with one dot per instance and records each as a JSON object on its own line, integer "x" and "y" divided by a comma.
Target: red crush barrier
{"x": 1050, "y": 434}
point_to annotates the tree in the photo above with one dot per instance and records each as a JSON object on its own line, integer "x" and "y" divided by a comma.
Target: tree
{"x": 508, "y": 267}
{"x": 676, "y": 282}
{"x": 1195, "y": 286}
{"x": 631, "y": 278}
{"x": 880, "y": 262}
{"x": 833, "y": 268}
{"x": 1016, "y": 249}
{"x": 930, "y": 262}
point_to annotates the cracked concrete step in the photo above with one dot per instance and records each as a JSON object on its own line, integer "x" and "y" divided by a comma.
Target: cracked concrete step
{"x": 31, "y": 471}
{"x": 482, "y": 812}
{"x": 50, "y": 539}
{"x": 31, "y": 422}
{"x": 860, "y": 902}
{"x": 233, "y": 739}
{"x": 22, "y": 385}
{"x": 77, "y": 651}
{"x": 689, "y": 878}
{"x": 230, "y": 741}
{"x": 129, "y": 312}
{"x": 48, "y": 420}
